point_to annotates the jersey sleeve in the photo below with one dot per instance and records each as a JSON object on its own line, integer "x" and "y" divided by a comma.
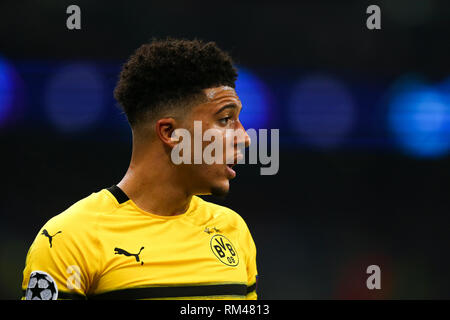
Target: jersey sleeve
{"x": 252, "y": 273}
{"x": 57, "y": 264}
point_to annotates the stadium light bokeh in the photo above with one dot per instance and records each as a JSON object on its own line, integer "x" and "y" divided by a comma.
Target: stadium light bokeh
{"x": 75, "y": 97}
{"x": 321, "y": 111}
{"x": 444, "y": 88}
{"x": 256, "y": 99}
{"x": 419, "y": 118}
{"x": 6, "y": 90}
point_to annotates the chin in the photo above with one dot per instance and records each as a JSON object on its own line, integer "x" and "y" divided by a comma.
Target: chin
{"x": 220, "y": 191}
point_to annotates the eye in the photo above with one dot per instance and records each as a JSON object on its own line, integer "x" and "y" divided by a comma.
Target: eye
{"x": 225, "y": 120}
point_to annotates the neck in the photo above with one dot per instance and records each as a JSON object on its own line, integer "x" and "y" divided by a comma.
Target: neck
{"x": 154, "y": 185}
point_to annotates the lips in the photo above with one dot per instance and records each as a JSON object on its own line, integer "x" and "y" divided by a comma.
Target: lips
{"x": 229, "y": 167}
{"x": 230, "y": 172}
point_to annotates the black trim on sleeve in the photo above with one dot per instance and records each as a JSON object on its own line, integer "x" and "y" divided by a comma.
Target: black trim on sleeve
{"x": 118, "y": 193}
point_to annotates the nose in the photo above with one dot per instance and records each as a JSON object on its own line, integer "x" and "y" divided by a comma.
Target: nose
{"x": 248, "y": 141}
{"x": 244, "y": 138}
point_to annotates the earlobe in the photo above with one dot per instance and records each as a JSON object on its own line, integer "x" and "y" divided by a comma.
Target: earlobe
{"x": 174, "y": 137}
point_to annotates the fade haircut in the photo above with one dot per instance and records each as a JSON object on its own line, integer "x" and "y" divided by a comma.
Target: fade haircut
{"x": 171, "y": 72}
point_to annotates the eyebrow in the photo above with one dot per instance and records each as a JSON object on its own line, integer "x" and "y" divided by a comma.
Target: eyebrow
{"x": 228, "y": 106}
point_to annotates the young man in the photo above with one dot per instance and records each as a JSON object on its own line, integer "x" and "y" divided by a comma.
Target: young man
{"x": 150, "y": 236}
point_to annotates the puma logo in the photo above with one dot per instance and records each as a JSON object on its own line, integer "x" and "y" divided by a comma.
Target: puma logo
{"x": 126, "y": 253}
{"x": 50, "y": 238}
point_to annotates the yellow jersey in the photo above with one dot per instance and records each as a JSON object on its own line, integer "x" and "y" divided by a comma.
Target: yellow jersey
{"x": 106, "y": 247}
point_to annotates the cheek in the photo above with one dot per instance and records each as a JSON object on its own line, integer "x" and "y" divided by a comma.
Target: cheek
{"x": 215, "y": 141}
{"x": 229, "y": 137}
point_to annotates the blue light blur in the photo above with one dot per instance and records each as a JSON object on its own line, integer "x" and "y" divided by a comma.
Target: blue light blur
{"x": 444, "y": 88}
{"x": 6, "y": 90}
{"x": 419, "y": 118}
{"x": 321, "y": 111}
{"x": 75, "y": 97}
{"x": 255, "y": 98}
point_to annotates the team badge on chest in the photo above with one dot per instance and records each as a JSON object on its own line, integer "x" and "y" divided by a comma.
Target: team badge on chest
{"x": 224, "y": 250}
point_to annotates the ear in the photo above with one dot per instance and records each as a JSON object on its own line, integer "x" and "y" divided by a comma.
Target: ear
{"x": 164, "y": 129}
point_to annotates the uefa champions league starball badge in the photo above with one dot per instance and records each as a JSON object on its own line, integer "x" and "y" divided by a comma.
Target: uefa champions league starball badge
{"x": 41, "y": 287}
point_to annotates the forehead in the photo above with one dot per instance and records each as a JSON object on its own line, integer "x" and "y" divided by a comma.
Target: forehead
{"x": 222, "y": 94}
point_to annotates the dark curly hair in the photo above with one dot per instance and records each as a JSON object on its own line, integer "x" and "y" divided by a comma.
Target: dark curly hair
{"x": 170, "y": 72}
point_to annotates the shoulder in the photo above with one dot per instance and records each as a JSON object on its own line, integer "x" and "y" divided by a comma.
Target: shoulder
{"x": 73, "y": 231}
{"x": 83, "y": 212}
{"x": 219, "y": 212}
{"x": 68, "y": 243}
{"x": 77, "y": 224}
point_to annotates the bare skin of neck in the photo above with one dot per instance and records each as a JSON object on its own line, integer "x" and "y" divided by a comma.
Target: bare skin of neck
{"x": 153, "y": 183}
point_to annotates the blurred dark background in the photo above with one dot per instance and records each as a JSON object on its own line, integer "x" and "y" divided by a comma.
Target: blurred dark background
{"x": 364, "y": 119}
